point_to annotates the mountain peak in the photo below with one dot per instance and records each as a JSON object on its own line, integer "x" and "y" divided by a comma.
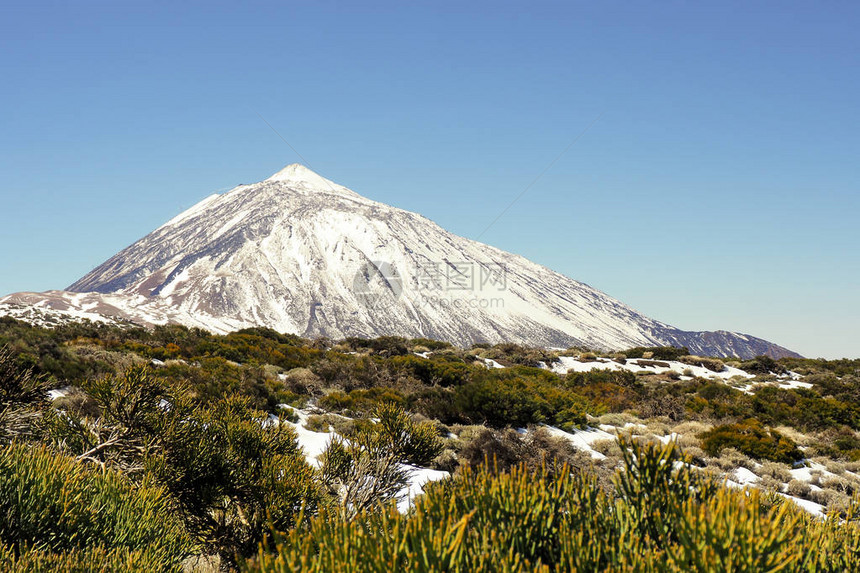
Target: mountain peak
{"x": 301, "y": 254}
{"x": 298, "y": 173}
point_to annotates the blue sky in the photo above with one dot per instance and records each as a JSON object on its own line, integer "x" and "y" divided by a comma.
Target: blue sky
{"x": 718, "y": 189}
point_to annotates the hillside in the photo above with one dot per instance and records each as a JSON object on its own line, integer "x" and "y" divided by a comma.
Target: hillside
{"x": 300, "y": 254}
{"x": 232, "y": 431}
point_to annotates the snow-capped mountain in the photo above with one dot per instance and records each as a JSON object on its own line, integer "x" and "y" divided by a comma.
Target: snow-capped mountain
{"x": 301, "y": 254}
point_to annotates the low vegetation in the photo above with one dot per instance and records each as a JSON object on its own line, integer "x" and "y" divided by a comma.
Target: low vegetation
{"x": 174, "y": 449}
{"x": 656, "y": 517}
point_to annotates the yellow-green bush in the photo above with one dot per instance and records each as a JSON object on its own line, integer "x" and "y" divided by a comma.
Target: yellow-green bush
{"x": 359, "y": 401}
{"x": 233, "y": 475}
{"x": 89, "y": 560}
{"x": 56, "y": 504}
{"x": 519, "y": 397}
{"x": 413, "y": 442}
{"x": 662, "y": 516}
{"x": 753, "y": 439}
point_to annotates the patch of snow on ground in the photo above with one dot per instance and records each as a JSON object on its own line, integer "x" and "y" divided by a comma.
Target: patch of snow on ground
{"x": 582, "y": 439}
{"x": 314, "y": 443}
{"x": 815, "y": 509}
{"x": 58, "y": 393}
{"x": 811, "y": 507}
{"x": 793, "y": 383}
{"x": 418, "y": 478}
{"x": 743, "y": 476}
{"x": 805, "y": 473}
{"x": 567, "y": 364}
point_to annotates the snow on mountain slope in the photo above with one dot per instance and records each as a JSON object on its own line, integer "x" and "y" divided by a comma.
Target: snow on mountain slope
{"x": 301, "y": 254}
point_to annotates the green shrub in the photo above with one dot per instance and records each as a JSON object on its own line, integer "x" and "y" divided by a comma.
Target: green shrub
{"x": 657, "y": 352}
{"x": 437, "y": 372}
{"x": 762, "y": 365}
{"x": 23, "y": 396}
{"x": 58, "y": 504}
{"x": 231, "y": 468}
{"x": 367, "y": 469}
{"x": 361, "y": 475}
{"x": 752, "y": 439}
{"x": 430, "y": 344}
{"x": 415, "y": 443}
{"x": 662, "y": 516}
{"x": 359, "y": 402}
{"x": 87, "y": 560}
{"x": 511, "y": 399}
{"x": 235, "y": 475}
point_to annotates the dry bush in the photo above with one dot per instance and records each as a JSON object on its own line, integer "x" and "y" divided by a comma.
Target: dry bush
{"x": 447, "y": 461}
{"x": 317, "y": 423}
{"x": 768, "y": 483}
{"x": 467, "y": 433}
{"x": 608, "y": 448}
{"x": 77, "y": 402}
{"x": 698, "y": 455}
{"x": 712, "y": 364}
{"x": 695, "y": 452}
{"x": 797, "y": 437}
{"x": 730, "y": 459}
{"x": 798, "y": 488}
{"x": 119, "y": 360}
{"x": 617, "y": 419}
{"x": 712, "y": 467}
{"x": 657, "y": 427}
{"x": 829, "y": 498}
{"x": 775, "y": 470}
{"x": 557, "y": 448}
{"x": 670, "y": 406}
{"x": 691, "y": 428}
{"x": 202, "y": 564}
{"x": 269, "y": 370}
{"x": 688, "y": 441}
{"x": 303, "y": 381}
{"x": 738, "y": 382}
{"x": 503, "y": 449}
{"x": 815, "y": 477}
{"x": 330, "y": 423}
{"x": 835, "y": 467}
{"x": 839, "y": 484}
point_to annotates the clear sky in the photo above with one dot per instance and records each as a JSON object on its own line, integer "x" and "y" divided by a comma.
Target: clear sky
{"x": 718, "y": 190}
